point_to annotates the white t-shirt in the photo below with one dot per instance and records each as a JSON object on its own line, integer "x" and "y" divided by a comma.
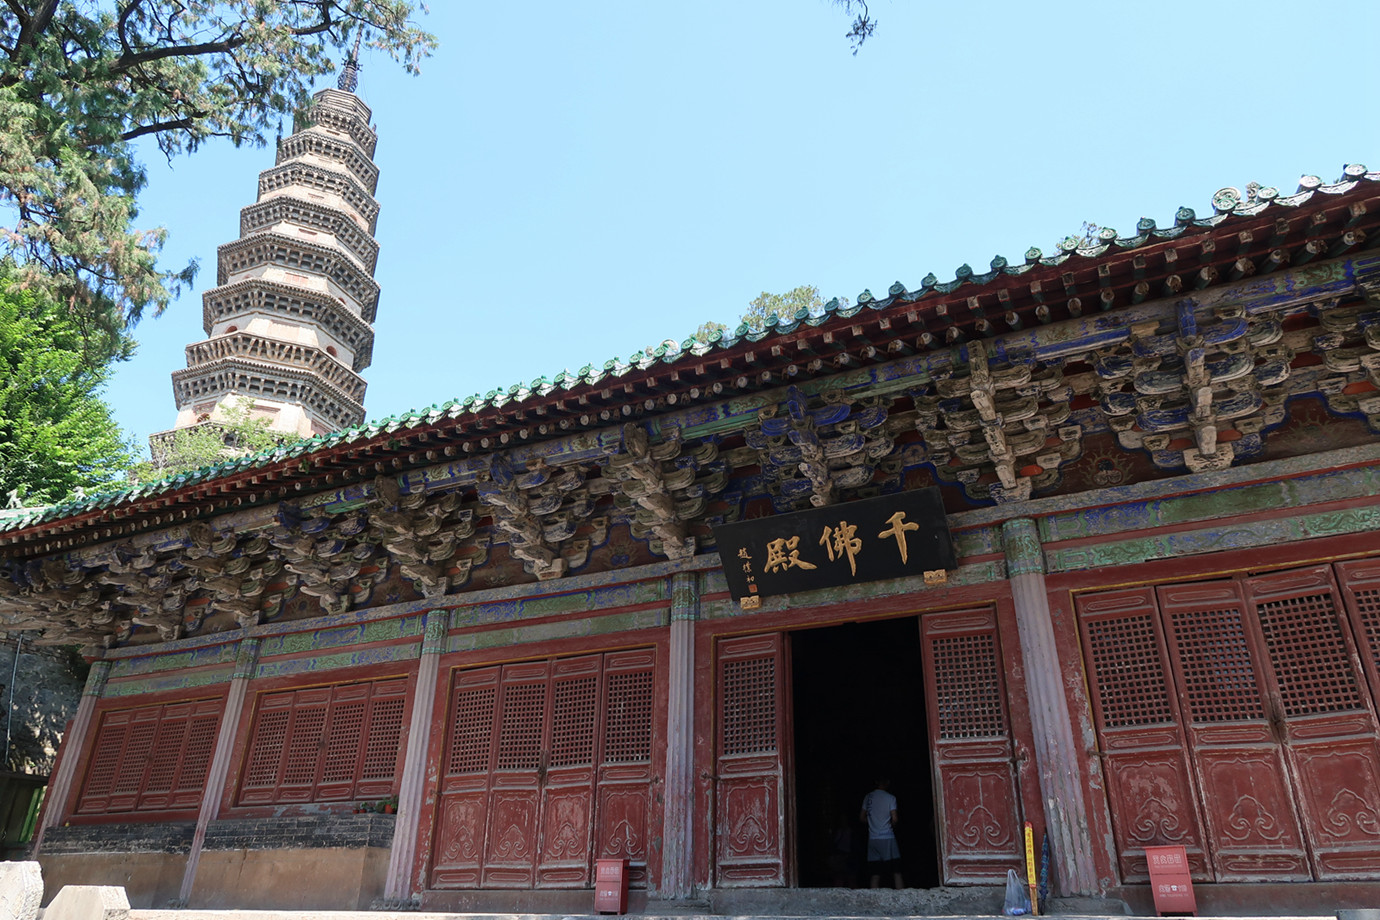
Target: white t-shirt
{"x": 878, "y": 806}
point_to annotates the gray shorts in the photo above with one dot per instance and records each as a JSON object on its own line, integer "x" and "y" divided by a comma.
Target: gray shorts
{"x": 882, "y": 850}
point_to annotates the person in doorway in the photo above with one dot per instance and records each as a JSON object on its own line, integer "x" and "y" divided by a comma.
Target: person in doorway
{"x": 879, "y": 813}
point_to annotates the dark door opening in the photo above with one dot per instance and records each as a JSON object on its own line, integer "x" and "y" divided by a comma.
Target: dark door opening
{"x": 859, "y": 711}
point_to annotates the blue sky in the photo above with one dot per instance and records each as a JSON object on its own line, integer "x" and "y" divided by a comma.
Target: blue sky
{"x": 569, "y": 182}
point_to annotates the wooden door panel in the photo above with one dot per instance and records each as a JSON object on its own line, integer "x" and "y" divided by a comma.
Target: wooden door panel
{"x": 622, "y": 828}
{"x": 970, "y": 740}
{"x": 1247, "y": 796}
{"x": 539, "y": 756}
{"x": 463, "y": 811}
{"x": 625, "y": 773}
{"x": 1251, "y": 812}
{"x": 1339, "y": 783}
{"x": 461, "y": 821}
{"x": 566, "y": 821}
{"x": 510, "y": 854}
{"x": 748, "y": 830}
{"x": 1150, "y": 787}
{"x": 750, "y": 820}
{"x": 1326, "y": 716}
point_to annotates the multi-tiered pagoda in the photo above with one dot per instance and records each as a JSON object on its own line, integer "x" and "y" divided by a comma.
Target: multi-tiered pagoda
{"x": 289, "y": 321}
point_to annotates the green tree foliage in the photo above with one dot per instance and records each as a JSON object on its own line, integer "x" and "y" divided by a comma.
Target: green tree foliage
{"x": 81, "y": 82}
{"x": 56, "y": 433}
{"x": 235, "y": 433}
{"x": 797, "y": 302}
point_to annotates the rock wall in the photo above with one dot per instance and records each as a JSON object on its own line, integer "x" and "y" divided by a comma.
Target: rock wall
{"x": 37, "y": 698}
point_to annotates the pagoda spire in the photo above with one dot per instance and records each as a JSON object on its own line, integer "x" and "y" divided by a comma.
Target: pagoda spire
{"x": 349, "y": 73}
{"x": 289, "y": 323}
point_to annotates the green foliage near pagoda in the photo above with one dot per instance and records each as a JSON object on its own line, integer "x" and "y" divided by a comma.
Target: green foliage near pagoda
{"x": 798, "y": 301}
{"x": 57, "y": 435}
{"x": 234, "y": 433}
{"x": 81, "y": 82}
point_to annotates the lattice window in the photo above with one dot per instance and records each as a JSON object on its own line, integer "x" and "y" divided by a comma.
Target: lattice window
{"x": 572, "y": 721}
{"x": 267, "y": 754}
{"x": 135, "y": 761}
{"x": 519, "y": 740}
{"x": 471, "y": 737}
{"x": 164, "y": 757}
{"x": 342, "y": 742}
{"x": 385, "y": 740}
{"x": 325, "y": 743}
{"x": 1311, "y": 661}
{"x": 1368, "y": 607}
{"x": 1218, "y": 672}
{"x": 304, "y": 746}
{"x": 628, "y": 718}
{"x": 967, "y": 686}
{"x": 106, "y": 756}
{"x": 196, "y": 759}
{"x": 749, "y": 705}
{"x": 1128, "y": 671}
{"x": 141, "y": 756}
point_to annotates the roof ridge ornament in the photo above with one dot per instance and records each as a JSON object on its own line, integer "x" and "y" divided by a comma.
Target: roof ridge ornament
{"x": 349, "y": 74}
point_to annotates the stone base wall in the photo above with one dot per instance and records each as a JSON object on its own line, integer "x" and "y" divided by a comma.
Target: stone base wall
{"x": 150, "y": 880}
{"x": 315, "y": 862}
{"x": 321, "y": 878}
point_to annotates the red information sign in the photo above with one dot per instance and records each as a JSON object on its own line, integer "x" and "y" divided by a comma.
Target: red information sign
{"x": 610, "y": 886}
{"x": 1170, "y": 881}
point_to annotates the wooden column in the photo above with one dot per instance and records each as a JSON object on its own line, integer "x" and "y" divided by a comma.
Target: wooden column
{"x": 678, "y": 850}
{"x": 397, "y": 886}
{"x": 246, "y": 660}
{"x": 1057, "y": 759}
{"x": 60, "y": 787}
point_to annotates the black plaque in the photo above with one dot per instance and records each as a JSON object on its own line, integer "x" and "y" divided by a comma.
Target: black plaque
{"x": 889, "y": 536}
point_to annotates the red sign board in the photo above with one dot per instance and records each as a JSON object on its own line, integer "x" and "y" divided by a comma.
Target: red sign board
{"x": 1170, "y": 881}
{"x": 610, "y": 886}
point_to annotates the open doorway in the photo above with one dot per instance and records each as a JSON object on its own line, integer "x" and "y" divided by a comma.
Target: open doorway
{"x": 859, "y": 711}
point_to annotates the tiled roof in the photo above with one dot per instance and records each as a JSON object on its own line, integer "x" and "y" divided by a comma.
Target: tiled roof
{"x": 1227, "y": 204}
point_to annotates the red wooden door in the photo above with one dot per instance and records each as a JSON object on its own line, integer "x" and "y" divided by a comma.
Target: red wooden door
{"x": 625, "y": 774}
{"x": 750, "y": 789}
{"x": 462, "y": 811}
{"x": 510, "y": 848}
{"x": 977, "y": 806}
{"x": 567, "y": 785}
{"x": 1252, "y": 819}
{"x": 548, "y": 765}
{"x": 1140, "y": 730}
{"x": 1325, "y": 716}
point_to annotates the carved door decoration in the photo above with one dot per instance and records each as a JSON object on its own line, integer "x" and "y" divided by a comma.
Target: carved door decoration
{"x": 750, "y": 795}
{"x": 1251, "y": 816}
{"x": 1325, "y": 717}
{"x": 970, "y": 737}
{"x": 1144, "y": 755}
{"x": 153, "y": 758}
{"x": 547, "y": 767}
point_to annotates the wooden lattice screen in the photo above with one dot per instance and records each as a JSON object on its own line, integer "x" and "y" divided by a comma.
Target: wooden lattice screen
{"x": 150, "y": 759}
{"x": 326, "y": 744}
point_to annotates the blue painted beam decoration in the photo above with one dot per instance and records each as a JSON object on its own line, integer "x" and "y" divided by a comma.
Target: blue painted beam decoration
{"x": 890, "y": 536}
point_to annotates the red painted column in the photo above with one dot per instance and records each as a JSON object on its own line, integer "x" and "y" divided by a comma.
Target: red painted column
{"x": 677, "y": 866}
{"x": 60, "y": 788}
{"x": 397, "y": 886}
{"x": 1062, "y": 778}
{"x": 246, "y": 660}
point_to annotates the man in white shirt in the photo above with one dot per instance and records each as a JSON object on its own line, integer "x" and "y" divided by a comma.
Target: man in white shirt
{"x": 879, "y": 812}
